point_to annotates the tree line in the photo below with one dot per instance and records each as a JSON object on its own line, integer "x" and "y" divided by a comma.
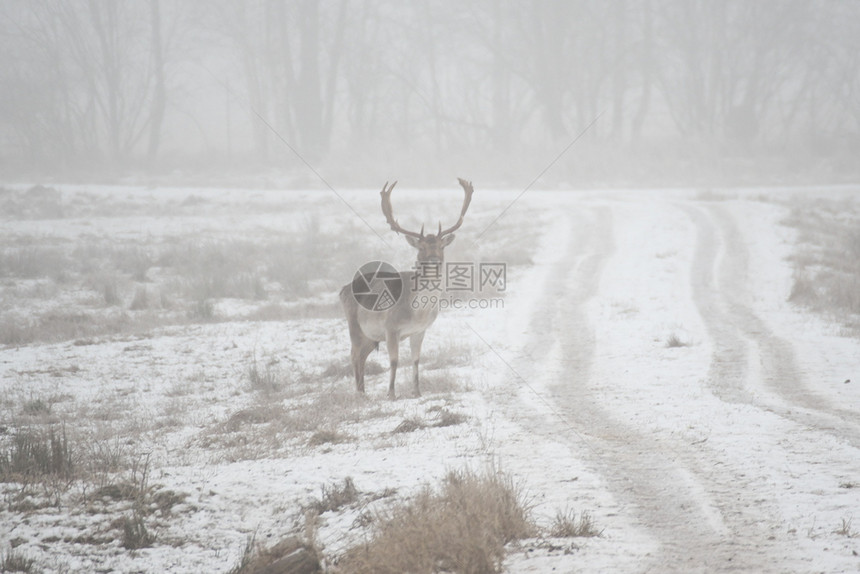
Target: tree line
{"x": 172, "y": 82}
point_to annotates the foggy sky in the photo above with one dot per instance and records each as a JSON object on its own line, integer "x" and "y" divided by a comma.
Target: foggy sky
{"x": 364, "y": 90}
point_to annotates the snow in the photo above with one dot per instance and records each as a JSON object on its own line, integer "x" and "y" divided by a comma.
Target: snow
{"x": 695, "y": 457}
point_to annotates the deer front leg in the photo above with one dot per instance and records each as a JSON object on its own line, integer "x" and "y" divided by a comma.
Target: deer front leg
{"x": 415, "y": 348}
{"x": 357, "y": 367}
{"x": 392, "y": 340}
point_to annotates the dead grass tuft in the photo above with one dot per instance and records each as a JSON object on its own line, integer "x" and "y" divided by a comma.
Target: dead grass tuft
{"x": 267, "y": 378}
{"x": 290, "y": 555}
{"x": 135, "y": 534}
{"x": 463, "y": 528}
{"x": 410, "y": 424}
{"x": 845, "y": 529}
{"x": 567, "y": 525}
{"x": 14, "y": 561}
{"x": 322, "y": 437}
{"x": 37, "y": 455}
{"x": 334, "y": 496}
{"x": 446, "y": 418}
{"x": 448, "y": 355}
{"x": 674, "y": 341}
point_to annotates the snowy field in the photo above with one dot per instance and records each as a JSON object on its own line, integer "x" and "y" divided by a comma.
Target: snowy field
{"x": 182, "y": 356}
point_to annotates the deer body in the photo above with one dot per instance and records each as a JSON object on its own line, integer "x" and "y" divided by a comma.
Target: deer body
{"x": 411, "y": 315}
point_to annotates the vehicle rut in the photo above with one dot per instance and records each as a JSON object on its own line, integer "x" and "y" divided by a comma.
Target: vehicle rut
{"x": 743, "y": 340}
{"x": 697, "y": 516}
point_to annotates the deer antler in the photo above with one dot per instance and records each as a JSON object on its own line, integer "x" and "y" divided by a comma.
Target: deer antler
{"x": 467, "y": 187}
{"x": 389, "y": 215}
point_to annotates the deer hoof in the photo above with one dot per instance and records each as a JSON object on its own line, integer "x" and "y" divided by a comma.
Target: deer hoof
{"x": 391, "y": 396}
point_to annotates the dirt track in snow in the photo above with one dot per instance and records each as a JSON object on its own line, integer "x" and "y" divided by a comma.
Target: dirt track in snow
{"x": 712, "y": 481}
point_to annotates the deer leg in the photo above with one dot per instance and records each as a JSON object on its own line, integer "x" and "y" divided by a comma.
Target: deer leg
{"x": 368, "y": 347}
{"x": 358, "y": 357}
{"x": 392, "y": 340}
{"x": 361, "y": 349}
{"x": 415, "y": 348}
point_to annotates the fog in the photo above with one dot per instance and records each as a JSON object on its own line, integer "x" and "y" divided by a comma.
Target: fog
{"x": 355, "y": 92}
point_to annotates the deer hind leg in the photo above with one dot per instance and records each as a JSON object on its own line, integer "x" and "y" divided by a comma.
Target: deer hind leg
{"x": 361, "y": 349}
{"x": 392, "y": 340}
{"x": 415, "y": 348}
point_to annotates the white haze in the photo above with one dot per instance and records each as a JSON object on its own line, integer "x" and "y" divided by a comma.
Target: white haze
{"x": 686, "y": 93}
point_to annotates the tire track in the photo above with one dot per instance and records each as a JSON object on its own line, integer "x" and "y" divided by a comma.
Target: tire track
{"x": 697, "y": 516}
{"x": 743, "y": 343}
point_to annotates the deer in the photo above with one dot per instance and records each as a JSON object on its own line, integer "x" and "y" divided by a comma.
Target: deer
{"x": 408, "y": 317}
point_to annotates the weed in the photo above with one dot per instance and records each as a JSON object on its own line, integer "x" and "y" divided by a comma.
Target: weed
{"x": 463, "y": 528}
{"x": 674, "y": 341}
{"x": 845, "y": 528}
{"x": 202, "y": 310}
{"x": 567, "y": 525}
{"x": 448, "y": 355}
{"x": 289, "y": 555}
{"x": 410, "y": 424}
{"x": 446, "y": 418}
{"x": 14, "y": 561}
{"x": 267, "y": 379}
{"x": 327, "y": 437}
{"x": 335, "y": 496}
{"x": 36, "y": 407}
{"x": 36, "y": 455}
{"x": 135, "y": 534}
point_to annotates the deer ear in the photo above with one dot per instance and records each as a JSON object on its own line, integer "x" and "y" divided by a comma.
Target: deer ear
{"x": 413, "y": 241}
{"x": 446, "y": 241}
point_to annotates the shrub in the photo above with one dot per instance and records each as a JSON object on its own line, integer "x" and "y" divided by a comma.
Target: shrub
{"x": 463, "y": 528}
{"x": 335, "y": 496}
{"x": 567, "y": 525}
{"x": 35, "y": 455}
{"x": 135, "y": 535}
{"x": 12, "y": 561}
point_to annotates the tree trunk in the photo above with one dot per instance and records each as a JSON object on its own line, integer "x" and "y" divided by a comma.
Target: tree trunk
{"x": 159, "y": 97}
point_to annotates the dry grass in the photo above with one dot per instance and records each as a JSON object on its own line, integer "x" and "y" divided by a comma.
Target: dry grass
{"x": 37, "y": 455}
{"x": 14, "y": 561}
{"x": 289, "y": 555}
{"x": 445, "y": 356}
{"x": 462, "y": 528}
{"x": 567, "y": 525}
{"x": 674, "y": 341}
{"x": 845, "y": 529}
{"x": 293, "y": 412}
{"x": 827, "y": 259}
{"x": 334, "y": 496}
{"x": 410, "y": 424}
{"x": 446, "y": 418}
{"x": 121, "y": 284}
{"x": 327, "y": 436}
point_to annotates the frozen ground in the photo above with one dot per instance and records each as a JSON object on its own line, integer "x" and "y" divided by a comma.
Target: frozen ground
{"x": 646, "y": 368}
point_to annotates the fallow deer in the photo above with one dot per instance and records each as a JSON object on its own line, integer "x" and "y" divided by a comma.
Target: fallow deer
{"x": 408, "y": 316}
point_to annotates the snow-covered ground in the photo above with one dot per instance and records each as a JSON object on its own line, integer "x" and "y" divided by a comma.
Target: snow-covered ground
{"x": 646, "y": 368}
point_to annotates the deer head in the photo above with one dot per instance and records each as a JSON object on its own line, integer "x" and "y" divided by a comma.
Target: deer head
{"x": 431, "y": 247}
